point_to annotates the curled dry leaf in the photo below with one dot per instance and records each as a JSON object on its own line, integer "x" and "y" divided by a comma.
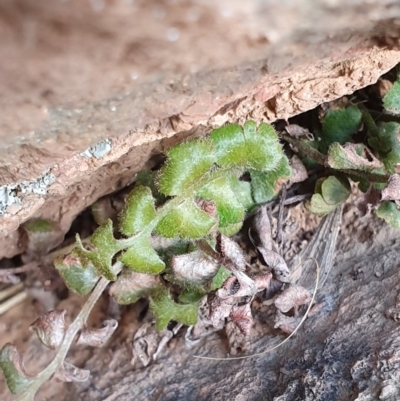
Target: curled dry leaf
{"x": 240, "y": 285}
{"x": 220, "y": 308}
{"x": 131, "y": 286}
{"x": 144, "y": 344}
{"x": 50, "y": 328}
{"x": 299, "y": 171}
{"x": 276, "y": 263}
{"x": 195, "y": 267}
{"x": 296, "y": 131}
{"x": 148, "y": 342}
{"x": 70, "y": 373}
{"x": 392, "y": 191}
{"x": 352, "y": 155}
{"x": 262, "y": 226}
{"x": 98, "y": 337}
{"x": 241, "y": 316}
{"x": 292, "y": 297}
{"x": 286, "y": 323}
{"x": 231, "y": 253}
{"x": 263, "y": 281}
{"x": 202, "y": 328}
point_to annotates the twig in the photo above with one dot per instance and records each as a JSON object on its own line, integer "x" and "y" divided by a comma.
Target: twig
{"x": 323, "y": 160}
{"x": 19, "y": 270}
{"x": 13, "y": 301}
{"x": 306, "y": 149}
{"x": 7, "y": 292}
{"x": 73, "y": 329}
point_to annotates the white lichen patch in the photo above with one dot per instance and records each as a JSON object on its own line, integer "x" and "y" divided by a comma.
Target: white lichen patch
{"x": 10, "y": 194}
{"x": 99, "y": 150}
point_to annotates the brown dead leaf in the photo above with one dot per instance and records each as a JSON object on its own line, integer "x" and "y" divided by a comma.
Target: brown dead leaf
{"x": 292, "y": 297}
{"x": 392, "y": 191}
{"x": 263, "y": 281}
{"x": 70, "y": 373}
{"x": 195, "y": 267}
{"x": 220, "y": 308}
{"x": 286, "y": 323}
{"x": 276, "y": 263}
{"x": 296, "y": 131}
{"x": 239, "y": 285}
{"x": 262, "y": 226}
{"x": 299, "y": 171}
{"x": 98, "y": 337}
{"x": 145, "y": 344}
{"x": 367, "y": 161}
{"x": 202, "y": 328}
{"x": 231, "y": 252}
{"x": 50, "y": 328}
{"x": 242, "y": 317}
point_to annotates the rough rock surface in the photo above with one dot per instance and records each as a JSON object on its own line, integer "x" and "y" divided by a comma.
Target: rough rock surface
{"x": 136, "y": 73}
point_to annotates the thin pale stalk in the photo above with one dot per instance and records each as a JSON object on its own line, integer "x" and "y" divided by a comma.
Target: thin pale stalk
{"x": 73, "y": 329}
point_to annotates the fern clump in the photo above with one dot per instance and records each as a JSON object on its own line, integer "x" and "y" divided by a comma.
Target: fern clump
{"x": 198, "y": 193}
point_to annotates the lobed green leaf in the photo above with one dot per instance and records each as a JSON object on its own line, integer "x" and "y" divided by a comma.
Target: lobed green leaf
{"x": 389, "y": 212}
{"x": 185, "y": 221}
{"x": 339, "y": 126}
{"x": 186, "y": 164}
{"x": 105, "y": 247}
{"x": 165, "y": 310}
{"x": 139, "y": 211}
{"x": 192, "y": 295}
{"x": 77, "y": 278}
{"x": 222, "y": 275}
{"x": 242, "y": 191}
{"x": 130, "y": 287}
{"x": 388, "y": 144}
{"x": 229, "y": 209}
{"x": 329, "y": 194}
{"x": 391, "y": 101}
{"x": 265, "y": 186}
{"x": 11, "y": 365}
{"x": 142, "y": 258}
{"x": 247, "y": 147}
{"x": 148, "y": 178}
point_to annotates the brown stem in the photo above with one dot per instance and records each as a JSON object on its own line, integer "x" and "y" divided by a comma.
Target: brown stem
{"x": 306, "y": 149}
{"x": 19, "y": 270}
{"x": 323, "y": 160}
{"x": 73, "y": 329}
